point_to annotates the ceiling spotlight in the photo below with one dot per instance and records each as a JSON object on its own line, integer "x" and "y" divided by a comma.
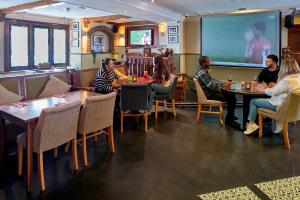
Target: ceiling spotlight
{"x": 152, "y": 1}
{"x": 125, "y": 11}
{"x": 68, "y": 9}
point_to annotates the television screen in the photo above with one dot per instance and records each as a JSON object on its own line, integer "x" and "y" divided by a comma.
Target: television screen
{"x": 140, "y": 37}
{"x": 241, "y": 39}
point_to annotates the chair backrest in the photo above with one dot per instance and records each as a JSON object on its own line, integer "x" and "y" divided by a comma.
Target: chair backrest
{"x": 56, "y": 126}
{"x": 200, "y": 94}
{"x": 173, "y": 80}
{"x": 97, "y": 113}
{"x": 289, "y": 110}
{"x": 134, "y": 97}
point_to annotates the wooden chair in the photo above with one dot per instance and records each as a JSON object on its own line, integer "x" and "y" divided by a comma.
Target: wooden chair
{"x": 134, "y": 98}
{"x": 170, "y": 96}
{"x": 55, "y": 127}
{"x": 97, "y": 114}
{"x": 289, "y": 111}
{"x": 202, "y": 100}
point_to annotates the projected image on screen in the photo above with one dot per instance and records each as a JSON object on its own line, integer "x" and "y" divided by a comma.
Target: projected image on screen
{"x": 140, "y": 37}
{"x": 241, "y": 40}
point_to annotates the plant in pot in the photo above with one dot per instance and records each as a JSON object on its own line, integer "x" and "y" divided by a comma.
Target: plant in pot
{"x": 44, "y": 65}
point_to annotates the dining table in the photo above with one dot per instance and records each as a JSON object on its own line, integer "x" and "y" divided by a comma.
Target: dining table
{"x": 27, "y": 113}
{"x": 247, "y": 95}
{"x": 139, "y": 80}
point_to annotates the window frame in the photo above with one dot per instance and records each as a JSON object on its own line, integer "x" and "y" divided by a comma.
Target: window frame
{"x": 31, "y": 25}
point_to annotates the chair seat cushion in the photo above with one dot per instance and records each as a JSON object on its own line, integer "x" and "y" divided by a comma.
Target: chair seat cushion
{"x": 54, "y": 86}
{"x": 213, "y": 102}
{"x": 8, "y": 97}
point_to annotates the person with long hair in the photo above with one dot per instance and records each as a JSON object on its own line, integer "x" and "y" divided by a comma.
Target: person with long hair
{"x": 288, "y": 81}
{"x": 105, "y": 77}
{"x": 161, "y": 77}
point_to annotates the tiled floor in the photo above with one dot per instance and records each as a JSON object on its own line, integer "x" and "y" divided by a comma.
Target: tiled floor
{"x": 177, "y": 159}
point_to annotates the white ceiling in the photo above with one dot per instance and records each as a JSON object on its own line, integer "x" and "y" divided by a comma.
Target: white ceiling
{"x": 74, "y": 11}
{"x": 221, "y": 6}
{"x": 9, "y": 3}
{"x": 158, "y": 11}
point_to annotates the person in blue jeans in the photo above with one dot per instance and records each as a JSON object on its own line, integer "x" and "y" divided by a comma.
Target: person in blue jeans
{"x": 288, "y": 81}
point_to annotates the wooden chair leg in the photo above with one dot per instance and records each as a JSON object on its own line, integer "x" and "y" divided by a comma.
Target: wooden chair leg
{"x": 96, "y": 138}
{"x": 84, "y": 153}
{"x": 165, "y": 105}
{"x": 260, "y": 125}
{"x": 199, "y": 112}
{"x": 111, "y": 138}
{"x": 55, "y": 152}
{"x": 221, "y": 116}
{"x": 20, "y": 159}
{"x": 74, "y": 154}
{"x": 156, "y": 109}
{"x": 41, "y": 171}
{"x": 286, "y": 136}
{"x": 122, "y": 121}
{"x": 173, "y": 107}
{"x": 67, "y": 147}
{"x": 146, "y": 121}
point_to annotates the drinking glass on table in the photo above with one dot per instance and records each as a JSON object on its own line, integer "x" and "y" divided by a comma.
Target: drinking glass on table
{"x": 229, "y": 79}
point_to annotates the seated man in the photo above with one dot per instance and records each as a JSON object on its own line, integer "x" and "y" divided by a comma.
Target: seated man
{"x": 211, "y": 88}
{"x": 269, "y": 75}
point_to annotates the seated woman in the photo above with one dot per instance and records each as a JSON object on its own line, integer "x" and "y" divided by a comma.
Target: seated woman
{"x": 288, "y": 80}
{"x": 161, "y": 77}
{"x": 105, "y": 77}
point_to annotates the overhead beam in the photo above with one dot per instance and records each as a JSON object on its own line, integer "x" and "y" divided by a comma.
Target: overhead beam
{"x": 27, "y": 6}
{"x": 106, "y": 18}
{"x": 137, "y": 23}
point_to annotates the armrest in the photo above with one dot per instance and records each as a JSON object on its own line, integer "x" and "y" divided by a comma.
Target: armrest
{"x": 91, "y": 89}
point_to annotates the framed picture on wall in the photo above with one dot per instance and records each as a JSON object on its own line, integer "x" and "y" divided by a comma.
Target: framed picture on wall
{"x": 172, "y": 29}
{"x": 75, "y": 26}
{"x": 75, "y": 43}
{"x": 75, "y": 34}
{"x": 173, "y": 39}
{"x": 97, "y": 39}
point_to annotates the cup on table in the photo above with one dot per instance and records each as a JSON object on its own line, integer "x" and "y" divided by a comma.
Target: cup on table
{"x": 129, "y": 78}
{"x": 145, "y": 74}
{"x": 229, "y": 79}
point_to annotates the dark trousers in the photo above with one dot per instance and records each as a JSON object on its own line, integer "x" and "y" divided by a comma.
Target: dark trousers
{"x": 227, "y": 97}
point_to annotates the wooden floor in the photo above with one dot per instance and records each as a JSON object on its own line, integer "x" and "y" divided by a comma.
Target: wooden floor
{"x": 177, "y": 159}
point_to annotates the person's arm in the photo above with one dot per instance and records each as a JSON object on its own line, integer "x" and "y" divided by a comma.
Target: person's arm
{"x": 260, "y": 77}
{"x": 206, "y": 81}
{"x": 100, "y": 84}
{"x": 278, "y": 89}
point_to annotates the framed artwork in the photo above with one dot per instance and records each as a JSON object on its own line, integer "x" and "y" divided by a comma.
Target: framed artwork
{"x": 173, "y": 39}
{"x": 75, "y": 34}
{"x": 97, "y": 39}
{"x": 75, "y": 43}
{"x": 173, "y": 29}
{"x": 75, "y": 26}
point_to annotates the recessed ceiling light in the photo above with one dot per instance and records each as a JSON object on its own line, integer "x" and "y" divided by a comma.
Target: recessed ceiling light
{"x": 125, "y": 11}
{"x": 152, "y": 1}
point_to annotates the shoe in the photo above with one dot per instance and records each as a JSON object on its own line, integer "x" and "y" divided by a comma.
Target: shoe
{"x": 233, "y": 124}
{"x": 250, "y": 128}
{"x": 235, "y": 118}
{"x": 231, "y": 118}
{"x": 279, "y": 127}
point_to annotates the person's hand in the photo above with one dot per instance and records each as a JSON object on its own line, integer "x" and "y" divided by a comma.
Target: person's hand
{"x": 226, "y": 85}
{"x": 120, "y": 79}
{"x": 271, "y": 84}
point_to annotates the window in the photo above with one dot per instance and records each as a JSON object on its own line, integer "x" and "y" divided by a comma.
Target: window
{"x": 41, "y": 45}
{"x": 29, "y": 43}
{"x": 19, "y": 46}
{"x": 59, "y": 46}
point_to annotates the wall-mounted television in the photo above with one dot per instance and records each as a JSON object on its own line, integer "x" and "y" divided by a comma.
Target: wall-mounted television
{"x": 242, "y": 40}
{"x": 140, "y": 37}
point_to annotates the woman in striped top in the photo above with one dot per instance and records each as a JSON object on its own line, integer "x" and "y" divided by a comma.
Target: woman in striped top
{"x": 105, "y": 77}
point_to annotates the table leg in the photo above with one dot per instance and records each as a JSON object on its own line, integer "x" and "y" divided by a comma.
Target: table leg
{"x": 246, "y": 103}
{"x": 29, "y": 154}
{"x": 2, "y": 144}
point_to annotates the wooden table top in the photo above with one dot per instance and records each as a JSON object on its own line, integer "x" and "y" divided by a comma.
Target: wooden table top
{"x": 140, "y": 80}
{"x": 33, "y": 109}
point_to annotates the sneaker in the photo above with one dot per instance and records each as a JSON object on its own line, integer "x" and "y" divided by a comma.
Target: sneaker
{"x": 250, "y": 129}
{"x": 279, "y": 127}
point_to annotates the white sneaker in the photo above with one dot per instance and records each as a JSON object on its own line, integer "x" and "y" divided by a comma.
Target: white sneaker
{"x": 250, "y": 128}
{"x": 279, "y": 127}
